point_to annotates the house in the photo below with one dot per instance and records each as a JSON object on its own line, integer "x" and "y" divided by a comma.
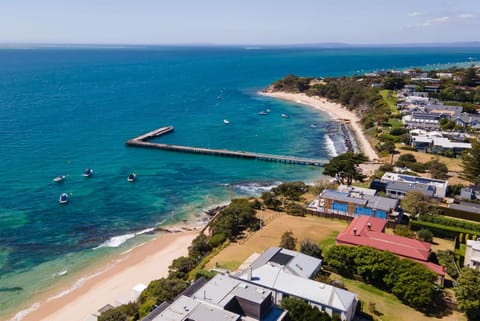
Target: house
{"x": 278, "y": 277}
{"x": 422, "y": 120}
{"x": 223, "y": 298}
{"x": 436, "y": 144}
{"x": 294, "y": 262}
{"x": 370, "y": 231}
{"x": 353, "y": 202}
{"x": 472, "y": 255}
{"x": 444, "y": 111}
{"x": 399, "y": 184}
{"x": 468, "y": 120}
{"x": 433, "y": 88}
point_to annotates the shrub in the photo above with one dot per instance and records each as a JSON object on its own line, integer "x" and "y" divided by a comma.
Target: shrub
{"x": 403, "y": 230}
{"x": 308, "y": 247}
{"x": 425, "y": 235}
{"x": 216, "y": 240}
{"x": 295, "y": 209}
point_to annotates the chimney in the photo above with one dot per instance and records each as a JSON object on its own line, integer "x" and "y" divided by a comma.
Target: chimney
{"x": 249, "y": 273}
{"x": 355, "y": 231}
{"x": 369, "y": 226}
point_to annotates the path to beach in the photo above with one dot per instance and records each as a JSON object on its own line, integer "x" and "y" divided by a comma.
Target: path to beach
{"x": 141, "y": 265}
{"x": 335, "y": 111}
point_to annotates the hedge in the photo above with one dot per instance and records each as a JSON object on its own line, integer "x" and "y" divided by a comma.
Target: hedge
{"x": 440, "y": 230}
{"x": 459, "y": 214}
{"x": 442, "y": 220}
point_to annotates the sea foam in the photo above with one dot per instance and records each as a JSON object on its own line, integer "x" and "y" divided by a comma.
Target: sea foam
{"x": 116, "y": 241}
{"x": 22, "y": 314}
{"x": 332, "y": 151}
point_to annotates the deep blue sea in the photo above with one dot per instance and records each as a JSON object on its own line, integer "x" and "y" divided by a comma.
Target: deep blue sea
{"x": 65, "y": 109}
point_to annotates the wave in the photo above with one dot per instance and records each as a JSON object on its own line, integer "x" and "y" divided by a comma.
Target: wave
{"x": 116, "y": 241}
{"x": 332, "y": 151}
{"x": 254, "y": 188}
{"x": 80, "y": 282}
{"x": 22, "y": 314}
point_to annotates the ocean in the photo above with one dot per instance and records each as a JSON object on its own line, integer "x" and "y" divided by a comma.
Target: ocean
{"x": 65, "y": 109}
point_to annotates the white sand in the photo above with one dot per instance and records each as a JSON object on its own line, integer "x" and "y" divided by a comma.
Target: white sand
{"x": 141, "y": 265}
{"x": 335, "y": 111}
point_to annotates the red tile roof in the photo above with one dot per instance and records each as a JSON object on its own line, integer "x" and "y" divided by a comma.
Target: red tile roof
{"x": 368, "y": 231}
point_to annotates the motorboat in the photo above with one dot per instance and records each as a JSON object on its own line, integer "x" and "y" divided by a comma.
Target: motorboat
{"x": 263, "y": 113}
{"x": 88, "y": 172}
{"x": 226, "y": 122}
{"x": 132, "y": 177}
{"x": 313, "y": 126}
{"x": 284, "y": 115}
{"x": 59, "y": 179}
{"x": 63, "y": 199}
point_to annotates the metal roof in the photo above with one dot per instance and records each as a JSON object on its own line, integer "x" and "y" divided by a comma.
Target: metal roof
{"x": 342, "y": 197}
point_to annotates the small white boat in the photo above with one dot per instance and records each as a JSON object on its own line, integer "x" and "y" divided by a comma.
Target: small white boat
{"x": 63, "y": 199}
{"x": 226, "y": 122}
{"x": 313, "y": 126}
{"x": 262, "y": 113}
{"x": 59, "y": 179}
{"x": 268, "y": 110}
{"x": 132, "y": 177}
{"x": 284, "y": 115}
{"x": 88, "y": 172}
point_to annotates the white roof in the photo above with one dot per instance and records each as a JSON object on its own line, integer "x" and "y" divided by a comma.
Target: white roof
{"x": 275, "y": 278}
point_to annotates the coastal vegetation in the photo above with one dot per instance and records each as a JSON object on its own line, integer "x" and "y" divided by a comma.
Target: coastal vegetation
{"x": 299, "y": 310}
{"x": 471, "y": 163}
{"x": 344, "y": 168}
{"x": 467, "y": 292}
{"x": 411, "y": 282}
{"x": 227, "y": 225}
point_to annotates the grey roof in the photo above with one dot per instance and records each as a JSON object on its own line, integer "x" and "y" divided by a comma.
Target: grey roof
{"x": 438, "y": 107}
{"x": 152, "y": 315}
{"x": 381, "y": 203}
{"x": 342, "y": 197}
{"x": 185, "y": 308}
{"x": 275, "y": 278}
{"x": 406, "y": 187}
{"x": 425, "y": 116}
{"x": 467, "y": 118}
{"x": 295, "y": 262}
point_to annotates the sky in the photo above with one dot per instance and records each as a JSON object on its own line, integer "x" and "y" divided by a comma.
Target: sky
{"x": 227, "y": 22}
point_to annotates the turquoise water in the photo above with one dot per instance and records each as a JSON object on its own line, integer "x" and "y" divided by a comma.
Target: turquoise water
{"x": 63, "y": 110}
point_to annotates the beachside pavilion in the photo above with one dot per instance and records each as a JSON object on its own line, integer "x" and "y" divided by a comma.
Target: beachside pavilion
{"x": 370, "y": 231}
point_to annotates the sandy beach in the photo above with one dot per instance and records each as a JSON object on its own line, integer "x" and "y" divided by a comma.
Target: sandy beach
{"x": 112, "y": 283}
{"x": 335, "y": 111}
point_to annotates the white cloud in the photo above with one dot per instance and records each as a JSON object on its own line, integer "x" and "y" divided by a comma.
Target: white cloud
{"x": 465, "y": 16}
{"x": 415, "y": 14}
{"x": 434, "y": 21}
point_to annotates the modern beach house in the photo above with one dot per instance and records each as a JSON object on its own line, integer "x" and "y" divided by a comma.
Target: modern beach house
{"x": 397, "y": 185}
{"x": 354, "y": 201}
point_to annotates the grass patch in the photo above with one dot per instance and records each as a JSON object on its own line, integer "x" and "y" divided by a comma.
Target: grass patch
{"x": 329, "y": 241}
{"x": 390, "y": 99}
{"x": 229, "y": 265}
{"x": 387, "y": 306}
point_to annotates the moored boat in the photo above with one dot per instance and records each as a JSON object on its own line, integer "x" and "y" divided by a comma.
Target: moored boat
{"x": 132, "y": 177}
{"x": 226, "y": 121}
{"x": 263, "y": 113}
{"x": 63, "y": 199}
{"x": 88, "y": 172}
{"x": 284, "y": 115}
{"x": 59, "y": 179}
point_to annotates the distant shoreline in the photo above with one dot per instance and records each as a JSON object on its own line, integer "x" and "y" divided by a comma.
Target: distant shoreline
{"x": 336, "y": 111}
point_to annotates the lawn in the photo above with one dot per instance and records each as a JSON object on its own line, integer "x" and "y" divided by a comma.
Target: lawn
{"x": 391, "y": 100}
{"x": 318, "y": 229}
{"x": 387, "y": 306}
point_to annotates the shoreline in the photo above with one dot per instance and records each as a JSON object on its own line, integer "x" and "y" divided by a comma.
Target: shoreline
{"x": 110, "y": 282}
{"x": 335, "y": 111}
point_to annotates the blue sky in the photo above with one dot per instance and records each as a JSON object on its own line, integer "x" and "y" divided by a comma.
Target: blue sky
{"x": 238, "y": 22}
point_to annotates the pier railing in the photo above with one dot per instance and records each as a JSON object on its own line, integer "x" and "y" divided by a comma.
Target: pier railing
{"x": 142, "y": 141}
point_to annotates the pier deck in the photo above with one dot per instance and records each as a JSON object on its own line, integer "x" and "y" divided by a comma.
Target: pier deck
{"x": 142, "y": 141}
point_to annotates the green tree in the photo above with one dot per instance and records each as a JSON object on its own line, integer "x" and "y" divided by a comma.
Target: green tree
{"x": 299, "y": 310}
{"x": 125, "y": 312}
{"x": 291, "y": 190}
{"x": 288, "y": 241}
{"x": 344, "y": 167}
{"x": 311, "y": 248}
{"x": 341, "y": 258}
{"x": 413, "y": 202}
{"x": 467, "y": 293}
{"x": 159, "y": 291}
{"x": 471, "y": 163}
{"x": 199, "y": 247}
{"x": 437, "y": 169}
{"x": 295, "y": 209}
{"x": 271, "y": 201}
{"x": 425, "y": 235}
{"x": 181, "y": 266}
{"x": 470, "y": 77}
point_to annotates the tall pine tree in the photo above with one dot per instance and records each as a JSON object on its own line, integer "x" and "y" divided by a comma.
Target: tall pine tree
{"x": 471, "y": 163}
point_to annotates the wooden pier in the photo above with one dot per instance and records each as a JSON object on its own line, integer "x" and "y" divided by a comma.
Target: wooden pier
{"x": 142, "y": 141}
